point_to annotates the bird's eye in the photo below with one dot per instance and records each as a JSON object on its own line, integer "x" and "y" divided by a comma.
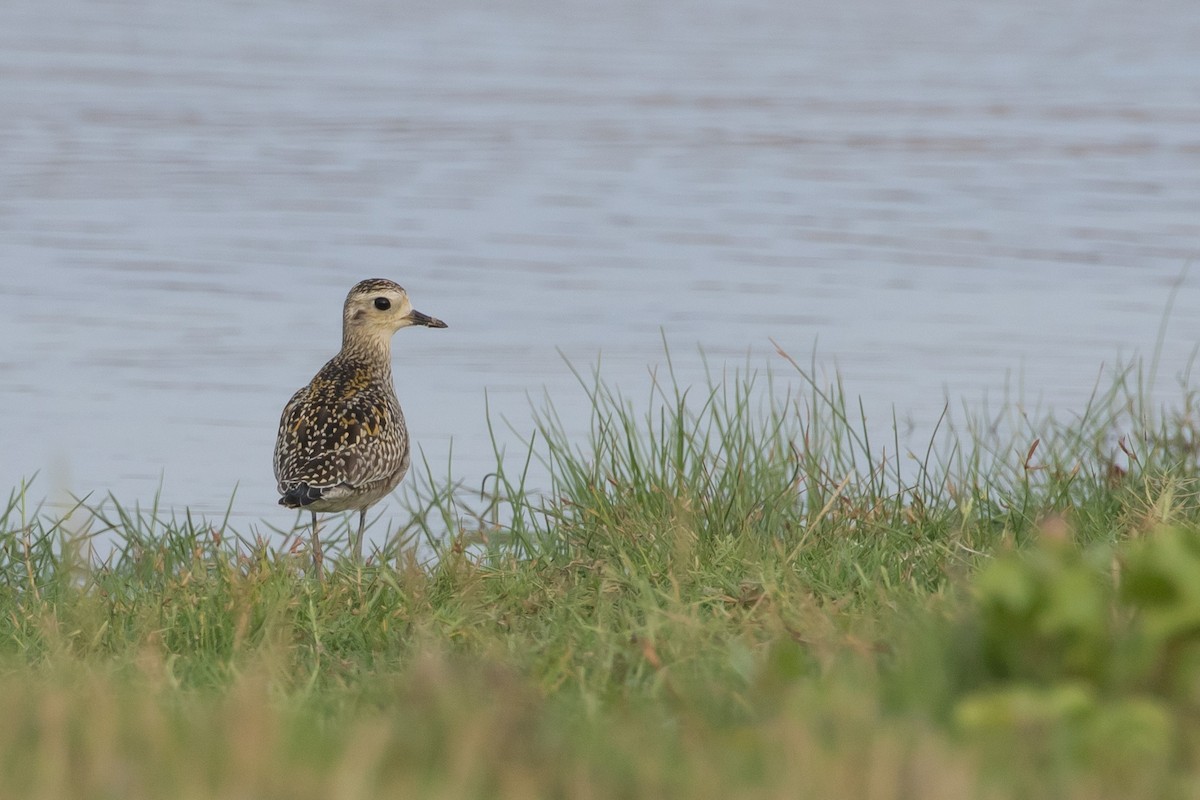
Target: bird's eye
{"x": 382, "y": 303}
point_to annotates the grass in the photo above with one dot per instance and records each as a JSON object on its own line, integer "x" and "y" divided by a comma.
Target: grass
{"x": 725, "y": 591}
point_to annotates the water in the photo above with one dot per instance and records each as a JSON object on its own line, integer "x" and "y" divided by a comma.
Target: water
{"x": 939, "y": 197}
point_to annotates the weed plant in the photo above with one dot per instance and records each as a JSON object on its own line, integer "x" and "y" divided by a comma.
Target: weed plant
{"x": 732, "y": 590}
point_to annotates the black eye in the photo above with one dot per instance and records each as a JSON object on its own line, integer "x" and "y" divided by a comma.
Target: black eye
{"x": 382, "y": 303}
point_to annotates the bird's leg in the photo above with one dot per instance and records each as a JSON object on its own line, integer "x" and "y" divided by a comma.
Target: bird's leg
{"x": 318, "y": 559}
{"x": 362, "y": 524}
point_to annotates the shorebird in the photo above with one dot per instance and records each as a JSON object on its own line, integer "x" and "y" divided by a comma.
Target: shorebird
{"x": 342, "y": 441}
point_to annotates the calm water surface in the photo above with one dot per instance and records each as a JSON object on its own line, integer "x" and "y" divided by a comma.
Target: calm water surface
{"x": 939, "y": 197}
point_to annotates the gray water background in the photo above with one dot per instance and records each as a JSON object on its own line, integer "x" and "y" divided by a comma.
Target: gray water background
{"x": 942, "y": 198}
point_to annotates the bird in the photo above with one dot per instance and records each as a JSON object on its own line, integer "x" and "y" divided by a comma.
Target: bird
{"x": 342, "y": 442}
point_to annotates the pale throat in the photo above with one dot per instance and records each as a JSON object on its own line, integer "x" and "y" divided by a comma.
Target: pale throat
{"x": 369, "y": 343}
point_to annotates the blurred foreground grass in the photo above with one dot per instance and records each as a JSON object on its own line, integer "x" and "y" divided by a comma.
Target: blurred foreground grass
{"x": 732, "y": 592}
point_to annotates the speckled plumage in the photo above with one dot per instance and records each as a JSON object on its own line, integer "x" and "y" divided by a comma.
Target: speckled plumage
{"x": 342, "y": 442}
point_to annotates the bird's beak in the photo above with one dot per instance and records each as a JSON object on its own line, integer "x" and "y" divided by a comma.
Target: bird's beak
{"x": 417, "y": 318}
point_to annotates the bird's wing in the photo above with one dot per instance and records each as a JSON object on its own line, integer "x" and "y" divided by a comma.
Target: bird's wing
{"x": 357, "y": 442}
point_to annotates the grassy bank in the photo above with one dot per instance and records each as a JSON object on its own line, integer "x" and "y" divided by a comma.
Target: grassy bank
{"x": 728, "y": 591}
